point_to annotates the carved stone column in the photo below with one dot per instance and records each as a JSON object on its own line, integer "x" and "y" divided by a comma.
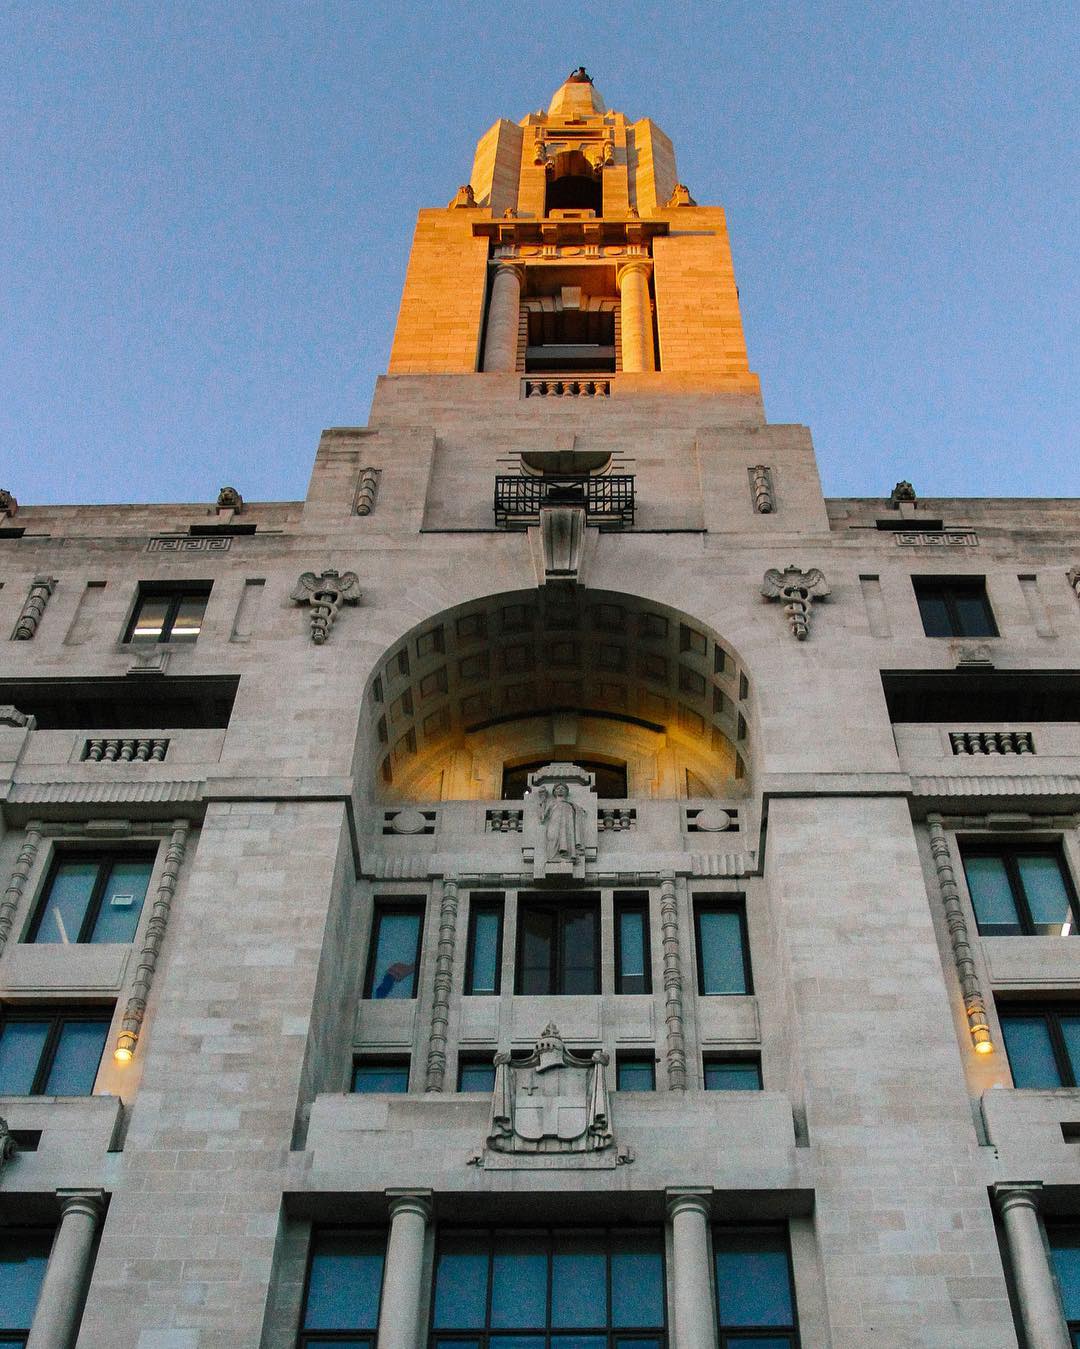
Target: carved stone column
{"x": 151, "y": 948}
{"x": 958, "y": 936}
{"x": 399, "y": 1311}
{"x": 673, "y": 984}
{"x": 23, "y": 863}
{"x": 638, "y": 350}
{"x": 692, "y": 1285}
{"x": 444, "y": 967}
{"x": 68, "y": 1271}
{"x": 40, "y": 589}
{"x": 504, "y": 312}
{"x": 1040, "y": 1306}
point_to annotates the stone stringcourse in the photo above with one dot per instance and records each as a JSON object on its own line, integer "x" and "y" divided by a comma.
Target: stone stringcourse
{"x": 326, "y": 594}
{"x": 796, "y": 589}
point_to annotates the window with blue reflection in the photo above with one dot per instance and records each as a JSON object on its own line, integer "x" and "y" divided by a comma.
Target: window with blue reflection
{"x": 51, "y": 1051}
{"x": 484, "y": 957}
{"x": 1065, "y": 1253}
{"x": 634, "y": 1072}
{"x": 723, "y": 964}
{"x": 94, "y": 897}
{"x": 732, "y": 1074}
{"x": 23, "y": 1257}
{"x": 395, "y": 951}
{"x": 476, "y": 1075}
{"x": 563, "y": 1289}
{"x": 343, "y": 1286}
{"x": 632, "y": 973}
{"x": 1042, "y": 1045}
{"x": 380, "y": 1075}
{"x": 754, "y": 1290}
{"x": 1020, "y": 891}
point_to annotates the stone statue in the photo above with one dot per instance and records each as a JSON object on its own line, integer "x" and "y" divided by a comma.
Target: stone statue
{"x": 8, "y": 1146}
{"x": 551, "y": 1101}
{"x": 559, "y": 828}
{"x": 564, "y": 823}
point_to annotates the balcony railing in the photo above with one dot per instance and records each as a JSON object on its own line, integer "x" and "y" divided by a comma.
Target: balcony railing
{"x": 608, "y": 500}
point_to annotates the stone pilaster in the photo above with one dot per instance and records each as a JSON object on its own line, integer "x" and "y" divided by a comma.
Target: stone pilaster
{"x": 1037, "y": 1296}
{"x": 399, "y": 1309}
{"x": 691, "y": 1279}
{"x": 67, "y": 1274}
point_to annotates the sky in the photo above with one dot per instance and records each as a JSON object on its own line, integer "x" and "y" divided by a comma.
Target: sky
{"x": 206, "y": 210}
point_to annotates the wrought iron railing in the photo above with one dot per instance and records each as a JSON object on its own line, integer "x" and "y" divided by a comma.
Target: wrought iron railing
{"x": 608, "y": 499}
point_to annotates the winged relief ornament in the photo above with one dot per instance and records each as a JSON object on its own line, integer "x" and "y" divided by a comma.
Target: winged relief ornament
{"x": 326, "y": 594}
{"x": 797, "y": 589}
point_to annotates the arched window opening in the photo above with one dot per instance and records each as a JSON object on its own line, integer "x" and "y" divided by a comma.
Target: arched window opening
{"x": 610, "y": 778}
{"x": 574, "y": 185}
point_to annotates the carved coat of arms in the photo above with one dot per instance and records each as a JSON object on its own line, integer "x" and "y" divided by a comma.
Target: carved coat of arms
{"x": 551, "y": 1101}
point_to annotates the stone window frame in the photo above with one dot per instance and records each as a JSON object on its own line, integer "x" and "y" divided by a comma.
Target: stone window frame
{"x": 58, "y": 1013}
{"x": 105, "y": 855}
{"x": 949, "y": 586}
{"x": 1009, "y": 848}
{"x": 177, "y": 590}
{"x": 720, "y": 901}
{"x": 790, "y": 1333}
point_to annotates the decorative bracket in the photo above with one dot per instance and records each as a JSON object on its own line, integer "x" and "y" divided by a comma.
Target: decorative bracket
{"x": 366, "y": 491}
{"x": 796, "y": 588}
{"x": 326, "y": 594}
{"x": 40, "y": 589}
{"x": 564, "y": 545}
{"x": 762, "y": 487}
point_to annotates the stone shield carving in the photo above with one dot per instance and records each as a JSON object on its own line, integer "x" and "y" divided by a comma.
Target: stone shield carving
{"x": 551, "y": 1101}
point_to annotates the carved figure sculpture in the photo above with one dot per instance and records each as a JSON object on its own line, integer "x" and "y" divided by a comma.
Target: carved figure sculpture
{"x": 8, "y": 1146}
{"x": 326, "y": 594}
{"x": 8, "y": 504}
{"x": 564, "y": 823}
{"x": 681, "y": 196}
{"x": 229, "y": 499}
{"x": 903, "y": 491}
{"x": 797, "y": 589}
{"x": 463, "y": 196}
{"x": 551, "y": 1101}
{"x": 560, "y": 826}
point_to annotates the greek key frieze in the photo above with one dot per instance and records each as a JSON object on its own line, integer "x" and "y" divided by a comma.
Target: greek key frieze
{"x": 204, "y": 544}
{"x": 933, "y": 538}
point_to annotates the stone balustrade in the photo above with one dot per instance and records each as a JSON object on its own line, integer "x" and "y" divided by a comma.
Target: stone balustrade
{"x": 991, "y": 742}
{"x": 616, "y": 818}
{"x": 503, "y": 821}
{"x": 125, "y": 750}
{"x": 567, "y": 388}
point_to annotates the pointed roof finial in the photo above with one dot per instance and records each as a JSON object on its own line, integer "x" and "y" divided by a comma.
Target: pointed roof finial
{"x": 579, "y": 76}
{"x": 576, "y": 97}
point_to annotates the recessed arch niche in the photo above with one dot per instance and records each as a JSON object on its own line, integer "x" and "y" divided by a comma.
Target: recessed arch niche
{"x": 558, "y": 674}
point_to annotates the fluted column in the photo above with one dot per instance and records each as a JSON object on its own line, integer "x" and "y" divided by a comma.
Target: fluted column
{"x": 1040, "y": 1306}
{"x": 504, "y": 312}
{"x": 692, "y": 1286}
{"x": 638, "y": 352}
{"x": 399, "y": 1311}
{"x": 68, "y": 1271}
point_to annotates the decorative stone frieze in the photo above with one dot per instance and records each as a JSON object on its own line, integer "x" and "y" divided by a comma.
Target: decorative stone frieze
{"x": 500, "y": 821}
{"x": 125, "y": 751}
{"x": 936, "y": 538}
{"x": 551, "y": 1101}
{"x": 182, "y": 543}
{"x": 615, "y": 819}
{"x": 326, "y": 594}
{"x": 972, "y": 655}
{"x": 710, "y": 820}
{"x": 673, "y": 984}
{"x": 974, "y": 1006}
{"x": 560, "y": 821}
{"x": 367, "y": 490}
{"x": 762, "y": 488}
{"x": 17, "y": 884}
{"x": 797, "y": 589}
{"x": 40, "y": 589}
{"x": 991, "y": 742}
{"x": 440, "y": 1006}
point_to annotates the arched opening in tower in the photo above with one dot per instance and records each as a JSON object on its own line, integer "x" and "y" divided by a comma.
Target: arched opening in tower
{"x": 574, "y": 185}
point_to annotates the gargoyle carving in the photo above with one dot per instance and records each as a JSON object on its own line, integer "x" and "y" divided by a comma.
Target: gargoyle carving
{"x": 326, "y": 594}
{"x": 797, "y": 589}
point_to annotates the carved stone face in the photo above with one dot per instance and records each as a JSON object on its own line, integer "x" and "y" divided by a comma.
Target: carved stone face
{"x": 561, "y": 790}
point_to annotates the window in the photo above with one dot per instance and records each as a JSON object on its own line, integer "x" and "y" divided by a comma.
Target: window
{"x": 394, "y": 954}
{"x": 344, "y": 1283}
{"x": 755, "y": 1298}
{"x": 92, "y": 897}
{"x": 558, "y": 946}
{"x": 736, "y": 1072}
{"x": 1065, "y": 1256}
{"x": 168, "y": 613}
{"x": 635, "y": 1072}
{"x": 954, "y": 606}
{"x": 578, "y": 1289}
{"x": 723, "y": 955}
{"x": 483, "y": 959}
{"x": 632, "y": 974}
{"x": 476, "y": 1074}
{"x": 1043, "y": 1045}
{"x": 1020, "y": 891}
{"x": 23, "y": 1257}
{"x": 567, "y": 340}
{"x": 51, "y": 1051}
{"x": 380, "y": 1074}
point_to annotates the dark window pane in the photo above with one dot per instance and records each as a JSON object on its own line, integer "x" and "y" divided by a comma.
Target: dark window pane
{"x": 632, "y": 974}
{"x": 23, "y": 1257}
{"x": 380, "y": 1077}
{"x": 753, "y": 1286}
{"x": 1030, "y": 1052}
{"x": 475, "y": 1344}
{"x": 149, "y": 623}
{"x": 344, "y": 1283}
{"x": 991, "y": 895}
{"x": 637, "y": 1281}
{"x": 65, "y": 906}
{"x": 461, "y": 1283}
{"x": 519, "y": 1281}
{"x": 579, "y": 1342}
{"x": 579, "y": 952}
{"x": 973, "y": 613}
{"x": 732, "y": 1075}
{"x": 122, "y": 902}
{"x": 476, "y": 1077}
{"x": 394, "y": 970}
{"x": 935, "y": 614}
{"x": 720, "y": 946}
{"x": 1047, "y": 897}
{"x": 515, "y": 1342}
{"x": 635, "y": 1075}
{"x": 318, "y": 1342}
{"x": 484, "y": 972}
{"x": 188, "y": 620}
{"x": 578, "y": 1281}
{"x": 635, "y": 1343}
{"x": 1065, "y": 1250}
{"x": 21, "y": 1043}
{"x": 1070, "y": 1034}
{"x": 755, "y": 1342}
{"x": 78, "y": 1054}
{"x": 537, "y": 941}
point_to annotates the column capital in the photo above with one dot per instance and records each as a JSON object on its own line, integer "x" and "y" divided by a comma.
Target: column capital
{"x": 634, "y": 265}
{"x": 1010, "y": 1194}
{"x": 410, "y": 1201}
{"x": 90, "y": 1202}
{"x": 505, "y": 266}
{"x": 687, "y": 1199}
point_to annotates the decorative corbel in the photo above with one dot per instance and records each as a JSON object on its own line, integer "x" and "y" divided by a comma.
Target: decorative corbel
{"x": 797, "y": 589}
{"x": 762, "y": 488}
{"x": 565, "y": 545}
{"x": 367, "y": 490}
{"x": 326, "y": 594}
{"x": 40, "y": 589}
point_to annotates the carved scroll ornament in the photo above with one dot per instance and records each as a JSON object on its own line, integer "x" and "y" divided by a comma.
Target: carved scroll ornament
{"x": 797, "y": 589}
{"x": 326, "y": 594}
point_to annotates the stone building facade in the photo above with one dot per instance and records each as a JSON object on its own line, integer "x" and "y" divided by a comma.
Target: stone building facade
{"x": 563, "y": 883}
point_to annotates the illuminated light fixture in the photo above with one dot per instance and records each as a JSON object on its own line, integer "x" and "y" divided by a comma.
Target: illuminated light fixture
{"x": 125, "y": 1047}
{"x": 980, "y": 1036}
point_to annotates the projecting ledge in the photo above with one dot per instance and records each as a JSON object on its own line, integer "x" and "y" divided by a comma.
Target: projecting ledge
{"x": 1033, "y": 1132}
{"x": 63, "y": 1141}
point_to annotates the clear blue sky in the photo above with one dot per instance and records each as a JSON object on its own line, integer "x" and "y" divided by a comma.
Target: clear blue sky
{"x": 206, "y": 209}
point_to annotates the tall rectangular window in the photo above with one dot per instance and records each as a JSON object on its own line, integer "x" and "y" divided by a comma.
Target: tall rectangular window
{"x": 1042, "y": 1044}
{"x": 755, "y": 1293}
{"x": 1065, "y": 1256}
{"x": 723, "y": 955}
{"x": 635, "y": 1072}
{"x": 394, "y": 951}
{"x": 51, "y": 1051}
{"x": 483, "y": 956}
{"x": 378, "y": 1074}
{"x": 476, "y": 1073}
{"x": 24, "y": 1253}
{"x": 732, "y": 1072}
{"x": 954, "y": 606}
{"x": 1020, "y": 891}
{"x": 92, "y": 897}
{"x": 343, "y": 1289}
{"x": 592, "y": 1289}
{"x": 632, "y": 959}
{"x": 168, "y": 613}
{"x": 559, "y": 946}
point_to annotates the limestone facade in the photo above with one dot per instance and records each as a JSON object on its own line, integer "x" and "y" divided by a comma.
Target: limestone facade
{"x": 330, "y": 731}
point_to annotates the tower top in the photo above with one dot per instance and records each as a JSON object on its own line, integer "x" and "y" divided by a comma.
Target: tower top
{"x": 576, "y": 97}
